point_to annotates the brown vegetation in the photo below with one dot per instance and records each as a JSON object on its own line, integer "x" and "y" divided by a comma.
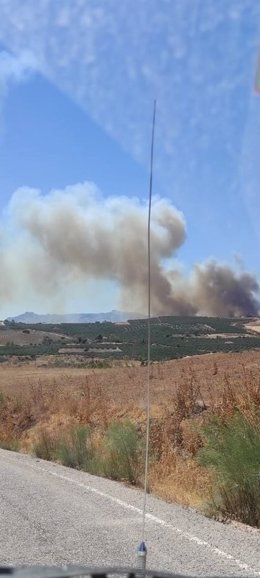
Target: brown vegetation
{"x": 38, "y": 404}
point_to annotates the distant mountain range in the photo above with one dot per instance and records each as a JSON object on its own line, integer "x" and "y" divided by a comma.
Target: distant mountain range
{"x": 113, "y": 316}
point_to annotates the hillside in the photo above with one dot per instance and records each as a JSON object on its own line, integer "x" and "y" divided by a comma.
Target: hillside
{"x": 171, "y": 338}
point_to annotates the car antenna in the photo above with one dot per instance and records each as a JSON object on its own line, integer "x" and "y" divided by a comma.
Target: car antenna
{"x": 142, "y": 550}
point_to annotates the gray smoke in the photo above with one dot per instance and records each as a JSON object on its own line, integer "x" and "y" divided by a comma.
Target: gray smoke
{"x": 218, "y": 290}
{"x": 49, "y": 242}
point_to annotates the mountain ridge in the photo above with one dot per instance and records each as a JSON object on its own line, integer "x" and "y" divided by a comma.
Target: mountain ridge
{"x": 29, "y": 317}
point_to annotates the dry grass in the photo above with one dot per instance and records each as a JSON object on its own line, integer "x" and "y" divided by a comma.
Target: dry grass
{"x": 27, "y": 337}
{"x": 40, "y": 402}
{"x": 183, "y": 481}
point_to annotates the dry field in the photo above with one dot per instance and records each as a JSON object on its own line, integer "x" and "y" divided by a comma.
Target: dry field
{"x": 26, "y": 337}
{"x": 183, "y": 393}
{"x": 125, "y": 384}
{"x": 255, "y": 327}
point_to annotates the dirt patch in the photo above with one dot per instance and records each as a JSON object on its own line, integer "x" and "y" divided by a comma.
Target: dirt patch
{"x": 225, "y": 335}
{"x": 28, "y": 337}
{"x": 69, "y": 350}
{"x": 255, "y": 328}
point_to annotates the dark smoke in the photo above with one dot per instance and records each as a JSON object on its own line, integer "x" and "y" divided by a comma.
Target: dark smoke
{"x": 220, "y": 291}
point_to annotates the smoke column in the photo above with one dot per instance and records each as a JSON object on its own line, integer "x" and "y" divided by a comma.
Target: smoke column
{"x": 49, "y": 241}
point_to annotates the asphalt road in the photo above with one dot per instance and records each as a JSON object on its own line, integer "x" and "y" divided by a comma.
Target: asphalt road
{"x": 50, "y": 514}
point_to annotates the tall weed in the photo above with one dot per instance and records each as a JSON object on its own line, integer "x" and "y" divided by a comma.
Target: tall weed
{"x": 75, "y": 448}
{"x": 122, "y": 452}
{"x": 45, "y": 445}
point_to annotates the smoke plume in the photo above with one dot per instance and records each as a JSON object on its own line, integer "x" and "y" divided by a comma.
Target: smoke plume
{"x": 48, "y": 242}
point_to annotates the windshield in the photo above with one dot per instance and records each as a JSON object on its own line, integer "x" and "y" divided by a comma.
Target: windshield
{"x": 84, "y": 372}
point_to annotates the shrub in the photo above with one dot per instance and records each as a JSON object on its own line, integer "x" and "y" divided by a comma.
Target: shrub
{"x": 10, "y": 444}
{"x": 2, "y": 400}
{"x": 75, "y": 449}
{"x": 121, "y": 459}
{"x": 232, "y": 449}
{"x": 45, "y": 446}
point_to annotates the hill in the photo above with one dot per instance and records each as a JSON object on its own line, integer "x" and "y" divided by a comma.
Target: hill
{"x": 171, "y": 338}
{"x": 113, "y": 316}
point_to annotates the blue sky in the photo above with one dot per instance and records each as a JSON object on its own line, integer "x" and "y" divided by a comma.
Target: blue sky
{"x": 77, "y": 82}
{"x": 49, "y": 142}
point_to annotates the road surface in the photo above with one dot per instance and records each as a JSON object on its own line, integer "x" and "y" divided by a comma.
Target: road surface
{"x": 50, "y": 514}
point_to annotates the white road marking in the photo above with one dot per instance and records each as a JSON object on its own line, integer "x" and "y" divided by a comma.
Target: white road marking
{"x": 156, "y": 520}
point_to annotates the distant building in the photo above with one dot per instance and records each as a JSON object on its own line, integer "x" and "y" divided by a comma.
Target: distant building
{"x": 2, "y": 322}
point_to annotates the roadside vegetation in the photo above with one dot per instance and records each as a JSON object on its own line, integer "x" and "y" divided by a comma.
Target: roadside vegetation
{"x": 116, "y": 454}
{"x": 232, "y": 451}
{"x": 205, "y": 436}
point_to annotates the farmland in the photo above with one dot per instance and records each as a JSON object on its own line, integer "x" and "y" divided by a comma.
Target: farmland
{"x": 171, "y": 338}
